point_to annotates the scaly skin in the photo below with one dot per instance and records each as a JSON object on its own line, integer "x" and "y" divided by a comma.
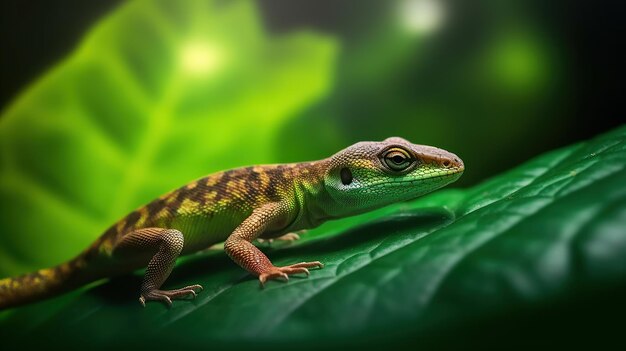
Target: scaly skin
{"x": 241, "y": 205}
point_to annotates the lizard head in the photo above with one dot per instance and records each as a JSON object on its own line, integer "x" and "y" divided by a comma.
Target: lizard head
{"x": 369, "y": 175}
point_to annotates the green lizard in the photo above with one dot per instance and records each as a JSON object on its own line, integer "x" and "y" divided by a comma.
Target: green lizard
{"x": 241, "y": 205}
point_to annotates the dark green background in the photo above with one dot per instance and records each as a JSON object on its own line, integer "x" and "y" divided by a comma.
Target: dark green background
{"x": 434, "y": 85}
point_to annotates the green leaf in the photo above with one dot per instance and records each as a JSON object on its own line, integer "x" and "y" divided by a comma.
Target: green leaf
{"x": 525, "y": 247}
{"x": 158, "y": 93}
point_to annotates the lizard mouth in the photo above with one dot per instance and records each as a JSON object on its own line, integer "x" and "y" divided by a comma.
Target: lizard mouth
{"x": 446, "y": 178}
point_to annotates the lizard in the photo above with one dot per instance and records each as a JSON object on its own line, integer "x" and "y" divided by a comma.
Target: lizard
{"x": 237, "y": 207}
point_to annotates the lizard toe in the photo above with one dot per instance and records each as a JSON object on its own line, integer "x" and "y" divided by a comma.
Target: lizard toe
{"x": 314, "y": 264}
{"x": 166, "y": 296}
{"x": 284, "y": 272}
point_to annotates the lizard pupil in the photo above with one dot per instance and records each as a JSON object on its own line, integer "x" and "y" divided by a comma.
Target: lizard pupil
{"x": 346, "y": 176}
{"x": 398, "y": 159}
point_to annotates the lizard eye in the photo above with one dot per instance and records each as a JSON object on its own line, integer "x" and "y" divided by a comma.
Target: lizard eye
{"x": 397, "y": 159}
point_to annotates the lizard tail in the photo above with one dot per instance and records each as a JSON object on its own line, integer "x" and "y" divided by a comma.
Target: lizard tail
{"x": 44, "y": 283}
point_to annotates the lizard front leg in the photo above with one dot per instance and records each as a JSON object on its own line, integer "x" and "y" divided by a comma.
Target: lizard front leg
{"x": 240, "y": 248}
{"x": 164, "y": 246}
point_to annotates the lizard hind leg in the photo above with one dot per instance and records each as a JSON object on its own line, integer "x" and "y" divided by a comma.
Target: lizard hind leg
{"x": 164, "y": 246}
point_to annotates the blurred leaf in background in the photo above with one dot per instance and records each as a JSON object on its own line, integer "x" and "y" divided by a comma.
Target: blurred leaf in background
{"x": 158, "y": 93}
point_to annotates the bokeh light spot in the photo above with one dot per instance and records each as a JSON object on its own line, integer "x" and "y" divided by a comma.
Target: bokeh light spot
{"x": 422, "y": 16}
{"x": 200, "y": 58}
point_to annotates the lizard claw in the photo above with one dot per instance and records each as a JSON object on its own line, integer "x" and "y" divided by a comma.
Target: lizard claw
{"x": 166, "y": 296}
{"x": 284, "y": 272}
{"x": 272, "y": 275}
